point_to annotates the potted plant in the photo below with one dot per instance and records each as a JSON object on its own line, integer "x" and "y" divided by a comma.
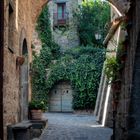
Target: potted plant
{"x": 20, "y": 60}
{"x": 112, "y": 71}
{"x": 36, "y": 108}
{"x": 122, "y": 51}
{"x": 112, "y": 68}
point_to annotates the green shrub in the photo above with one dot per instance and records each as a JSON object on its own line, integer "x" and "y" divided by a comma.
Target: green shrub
{"x": 82, "y": 71}
{"x": 37, "y": 104}
{"x": 112, "y": 68}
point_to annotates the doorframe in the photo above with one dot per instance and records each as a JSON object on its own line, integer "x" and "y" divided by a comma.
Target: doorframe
{"x": 1, "y": 65}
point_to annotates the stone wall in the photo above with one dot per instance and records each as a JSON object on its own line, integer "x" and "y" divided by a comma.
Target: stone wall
{"x": 18, "y": 25}
{"x": 128, "y": 112}
{"x": 65, "y": 36}
{"x": 36, "y": 42}
{"x": 127, "y": 119}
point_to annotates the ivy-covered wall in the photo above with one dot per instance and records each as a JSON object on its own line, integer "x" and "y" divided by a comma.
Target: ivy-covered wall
{"x": 80, "y": 65}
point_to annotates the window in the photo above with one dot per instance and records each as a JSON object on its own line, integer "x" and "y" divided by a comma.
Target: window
{"x": 60, "y": 18}
{"x": 61, "y": 10}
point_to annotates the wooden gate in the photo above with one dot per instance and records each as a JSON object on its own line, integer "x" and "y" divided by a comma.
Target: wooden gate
{"x": 60, "y": 99}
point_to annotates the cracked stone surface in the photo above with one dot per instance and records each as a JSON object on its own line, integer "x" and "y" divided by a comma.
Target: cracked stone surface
{"x": 68, "y": 126}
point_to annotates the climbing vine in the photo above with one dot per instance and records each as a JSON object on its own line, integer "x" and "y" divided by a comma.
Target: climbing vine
{"x": 49, "y": 51}
{"x": 78, "y": 66}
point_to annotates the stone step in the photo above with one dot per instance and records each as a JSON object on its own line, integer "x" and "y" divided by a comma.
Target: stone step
{"x": 27, "y": 130}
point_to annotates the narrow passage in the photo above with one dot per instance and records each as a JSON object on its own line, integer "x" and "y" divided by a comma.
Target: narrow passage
{"x": 68, "y": 126}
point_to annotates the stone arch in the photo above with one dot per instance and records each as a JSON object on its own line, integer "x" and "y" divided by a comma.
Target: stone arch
{"x": 24, "y": 77}
{"x": 37, "y": 8}
{"x": 121, "y": 5}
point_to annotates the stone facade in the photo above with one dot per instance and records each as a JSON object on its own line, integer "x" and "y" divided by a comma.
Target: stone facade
{"x": 66, "y": 36}
{"x": 128, "y": 119}
{"x": 19, "y": 21}
{"x": 127, "y": 125}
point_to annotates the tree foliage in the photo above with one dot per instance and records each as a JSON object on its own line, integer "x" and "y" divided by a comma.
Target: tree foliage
{"x": 92, "y": 17}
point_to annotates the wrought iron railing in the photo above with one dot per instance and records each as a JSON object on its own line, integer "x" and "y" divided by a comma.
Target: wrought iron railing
{"x": 60, "y": 19}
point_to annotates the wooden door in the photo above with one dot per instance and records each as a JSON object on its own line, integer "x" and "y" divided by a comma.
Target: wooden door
{"x": 55, "y": 101}
{"x": 66, "y": 100}
{"x": 61, "y": 98}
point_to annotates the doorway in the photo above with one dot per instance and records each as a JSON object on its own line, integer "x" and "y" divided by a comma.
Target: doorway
{"x": 24, "y": 84}
{"x": 60, "y": 99}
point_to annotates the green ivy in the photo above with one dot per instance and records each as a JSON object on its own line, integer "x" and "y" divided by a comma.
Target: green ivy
{"x": 82, "y": 71}
{"x": 97, "y": 14}
{"x": 49, "y": 51}
{"x": 81, "y": 66}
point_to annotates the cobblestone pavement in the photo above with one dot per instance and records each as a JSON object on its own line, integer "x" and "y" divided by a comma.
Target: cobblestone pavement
{"x": 68, "y": 126}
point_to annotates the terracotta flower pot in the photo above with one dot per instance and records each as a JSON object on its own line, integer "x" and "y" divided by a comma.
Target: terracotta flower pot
{"x": 36, "y": 114}
{"x": 20, "y": 60}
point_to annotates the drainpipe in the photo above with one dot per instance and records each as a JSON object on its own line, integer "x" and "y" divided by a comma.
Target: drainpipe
{"x": 1, "y": 66}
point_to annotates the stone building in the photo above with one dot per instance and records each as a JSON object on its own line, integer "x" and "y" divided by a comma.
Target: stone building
{"x": 17, "y": 20}
{"x": 127, "y": 118}
{"x": 63, "y": 24}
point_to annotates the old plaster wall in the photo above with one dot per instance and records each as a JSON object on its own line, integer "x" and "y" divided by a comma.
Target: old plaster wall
{"x": 18, "y": 25}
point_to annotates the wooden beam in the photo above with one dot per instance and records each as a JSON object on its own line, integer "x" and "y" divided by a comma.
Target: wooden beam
{"x": 115, "y": 24}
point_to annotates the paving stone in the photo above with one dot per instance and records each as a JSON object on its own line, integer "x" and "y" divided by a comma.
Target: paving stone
{"x": 68, "y": 126}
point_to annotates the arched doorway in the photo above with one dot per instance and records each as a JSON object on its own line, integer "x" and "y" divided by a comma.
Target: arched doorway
{"x": 24, "y": 83}
{"x": 60, "y": 97}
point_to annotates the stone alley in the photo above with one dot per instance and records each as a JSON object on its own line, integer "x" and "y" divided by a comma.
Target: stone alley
{"x": 68, "y": 126}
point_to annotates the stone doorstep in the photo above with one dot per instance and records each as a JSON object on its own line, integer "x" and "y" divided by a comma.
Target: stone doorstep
{"x": 38, "y": 127}
{"x": 22, "y": 125}
{"x": 34, "y": 127}
{"x": 44, "y": 122}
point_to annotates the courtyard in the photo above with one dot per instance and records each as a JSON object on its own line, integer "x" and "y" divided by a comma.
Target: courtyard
{"x": 69, "y": 126}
